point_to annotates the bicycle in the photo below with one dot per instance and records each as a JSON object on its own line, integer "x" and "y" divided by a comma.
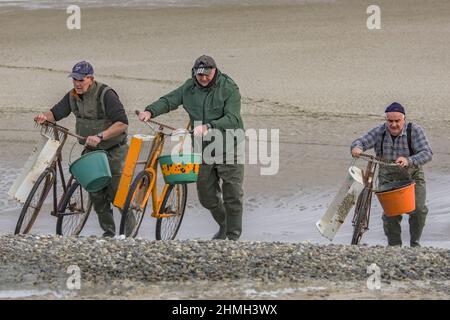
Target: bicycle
{"x": 361, "y": 216}
{"x": 169, "y": 207}
{"x": 47, "y": 180}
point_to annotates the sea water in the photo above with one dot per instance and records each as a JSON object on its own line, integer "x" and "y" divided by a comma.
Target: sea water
{"x": 62, "y": 4}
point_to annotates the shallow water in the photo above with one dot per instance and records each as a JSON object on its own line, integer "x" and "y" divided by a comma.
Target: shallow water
{"x": 275, "y": 217}
{"x": 26, "y": 294}
{"x": 242, "y": 289}
{"x": 62, "y": 4}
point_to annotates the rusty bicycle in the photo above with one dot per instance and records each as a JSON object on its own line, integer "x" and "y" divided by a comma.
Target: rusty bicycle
{"x": 361, "y": 217}
{"x": 69, "y": 202}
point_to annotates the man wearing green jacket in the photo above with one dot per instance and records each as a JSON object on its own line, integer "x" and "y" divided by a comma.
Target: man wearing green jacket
{"x": 213, "y": 102}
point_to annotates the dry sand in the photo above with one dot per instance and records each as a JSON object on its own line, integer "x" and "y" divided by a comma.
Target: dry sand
{"x": 314, "y": 71}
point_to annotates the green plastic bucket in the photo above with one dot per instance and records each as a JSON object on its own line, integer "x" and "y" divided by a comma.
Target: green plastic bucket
{"x": 92, "y": 170}
{"x": 180, "y": 169}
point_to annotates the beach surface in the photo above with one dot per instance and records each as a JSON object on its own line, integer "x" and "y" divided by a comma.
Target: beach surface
{"x": 311, "y": 70}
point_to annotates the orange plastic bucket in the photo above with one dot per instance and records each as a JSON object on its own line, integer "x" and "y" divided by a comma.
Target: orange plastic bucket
{"x": 397, "y": 198}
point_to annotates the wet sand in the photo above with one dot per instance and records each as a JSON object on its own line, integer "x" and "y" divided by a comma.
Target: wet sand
{"x": 313, "y": 71}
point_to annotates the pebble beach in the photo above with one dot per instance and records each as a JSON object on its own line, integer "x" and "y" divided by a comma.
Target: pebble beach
{"x": 124, "y": 266}
{"x": 310, "y": 69}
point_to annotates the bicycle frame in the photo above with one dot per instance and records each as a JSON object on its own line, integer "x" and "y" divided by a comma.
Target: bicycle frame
{"x": 361, "y": 217}
{"x": 56, "y": 165}
{"x": 60, "y": 134}
{"x": 151, "y": 166}
{"x": 368, "y": 177}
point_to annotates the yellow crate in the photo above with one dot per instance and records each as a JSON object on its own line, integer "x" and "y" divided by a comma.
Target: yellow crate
{"x": 128, "y": 170}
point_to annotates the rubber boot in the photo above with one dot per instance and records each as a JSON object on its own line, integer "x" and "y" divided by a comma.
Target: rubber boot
{"x": 392, "y": 230}
{"x": 107, "y": 224}
{"x": 218, "y": 214}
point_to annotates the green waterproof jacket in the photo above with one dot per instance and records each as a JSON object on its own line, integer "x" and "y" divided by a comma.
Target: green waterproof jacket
{"x": 218, "y": 104}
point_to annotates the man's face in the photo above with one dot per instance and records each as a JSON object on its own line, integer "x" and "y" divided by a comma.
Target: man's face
{"x": 395, "y": 122}
{"x": 81, "y": 86}
{"x": 204, "y": 79}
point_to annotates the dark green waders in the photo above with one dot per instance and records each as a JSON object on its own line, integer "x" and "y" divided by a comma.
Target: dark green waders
{"x": 102, "y": 199}
{"x": 224, "y": 202}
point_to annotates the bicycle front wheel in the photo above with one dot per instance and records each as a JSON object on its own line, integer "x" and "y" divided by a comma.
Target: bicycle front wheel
{"x": 34, "y": 202}
{"x": 173, "y": 205}
{"x": 133, "y": 212}
{"x": 361, "y": 211}
{"x": 73, "y": 211}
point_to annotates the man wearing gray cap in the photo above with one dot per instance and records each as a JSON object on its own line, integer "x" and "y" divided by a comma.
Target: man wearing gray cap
{"x": 101, "y": 118}
{"x": 212, "y": 99}
{"x": 407, "y": 145}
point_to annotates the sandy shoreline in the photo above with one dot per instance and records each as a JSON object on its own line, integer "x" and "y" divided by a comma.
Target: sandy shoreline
{"x": 313, "y": 71}
{"x": 322, "y": 56}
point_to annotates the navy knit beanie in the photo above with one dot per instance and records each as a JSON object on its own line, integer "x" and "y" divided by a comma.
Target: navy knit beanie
{"x": 395, "y": 107}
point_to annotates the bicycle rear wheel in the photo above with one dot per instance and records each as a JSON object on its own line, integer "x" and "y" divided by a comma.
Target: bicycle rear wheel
{"x": 132, "y": 213}
{"x": 34, "y": 202}
{"x": 361, "y": 214}
{"x": 174, "y": 204}
{"x": 73, "y": 211}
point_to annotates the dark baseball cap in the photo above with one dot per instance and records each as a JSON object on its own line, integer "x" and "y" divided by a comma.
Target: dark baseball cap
{"x": 81, "y": 70}
{"x": 204, "y": 65}
{"x": 395, "y": 107}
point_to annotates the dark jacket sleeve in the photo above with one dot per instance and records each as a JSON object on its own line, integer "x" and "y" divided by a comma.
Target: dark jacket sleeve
{"x": 167, "y": 103}
{"x": 62, "y": 108}
{"x": 114, "y": 108}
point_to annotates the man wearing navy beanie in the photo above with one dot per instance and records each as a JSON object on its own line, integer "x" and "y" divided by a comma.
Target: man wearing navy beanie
{"x": 395, "y": 107}
{"x": 404, "y": 143}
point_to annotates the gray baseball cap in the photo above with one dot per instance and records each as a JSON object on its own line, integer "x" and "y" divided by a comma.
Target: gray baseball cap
{"x": 204, "y": 65}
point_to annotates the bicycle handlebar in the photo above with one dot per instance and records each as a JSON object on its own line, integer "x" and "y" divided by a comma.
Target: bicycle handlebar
{"x": 155, "y": 122}
{"x": 60, "y": 128}
{"x": 147, "y": 122}
{"x": 371, "y": 158}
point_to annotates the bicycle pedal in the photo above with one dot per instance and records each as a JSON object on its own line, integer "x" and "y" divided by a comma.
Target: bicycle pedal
{"x": 54, "y": 214}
